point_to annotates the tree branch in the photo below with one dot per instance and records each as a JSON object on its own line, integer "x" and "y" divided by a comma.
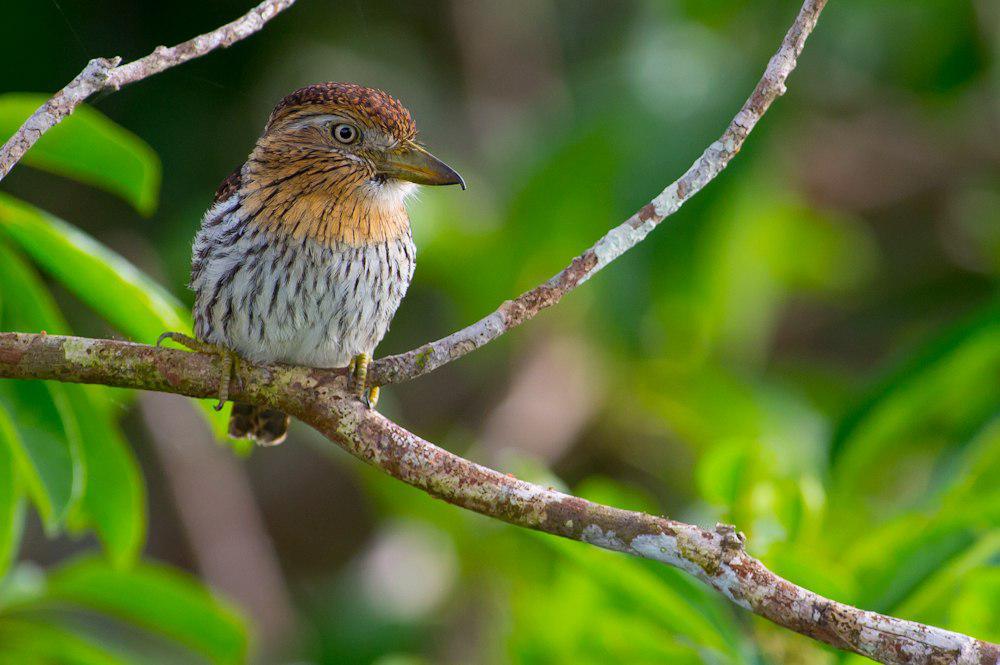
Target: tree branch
{"x": 107, "y": 74}
{"x": 628, "y": 234}
{"x": 321, "y": 398}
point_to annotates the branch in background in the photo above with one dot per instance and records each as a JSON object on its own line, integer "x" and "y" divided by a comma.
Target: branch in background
{"x": 321, "y": 399}
{"x": 107, "y": 74}
{"x": 628, "y": 234}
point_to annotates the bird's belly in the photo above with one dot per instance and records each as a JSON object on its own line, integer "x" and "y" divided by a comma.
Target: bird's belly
{"x": 298, "y": 301}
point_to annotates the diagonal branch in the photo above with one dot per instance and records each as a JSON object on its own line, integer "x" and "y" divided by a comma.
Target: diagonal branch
{"x": 320, "y": 398}
{"x": 107, "y": 74}
{"x": 628, "y": 234}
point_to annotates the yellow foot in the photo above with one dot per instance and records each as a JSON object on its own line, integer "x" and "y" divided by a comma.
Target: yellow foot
{"x": 227, "y": 360}
{"x": 358, "y": 371}
{"x": 373, "y": 394}
{"x": 188, "y": 342}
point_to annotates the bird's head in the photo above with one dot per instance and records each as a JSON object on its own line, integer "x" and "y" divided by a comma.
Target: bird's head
{"x": 352, "y": 139}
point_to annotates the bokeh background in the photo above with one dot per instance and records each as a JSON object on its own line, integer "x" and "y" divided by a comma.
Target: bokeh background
{"x": 809, "y": 349}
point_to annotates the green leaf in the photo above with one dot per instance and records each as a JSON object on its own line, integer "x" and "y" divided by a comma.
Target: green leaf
{"x": 678, "y": 603}
{"x": 27, "y": 305}
{"x": 47, "y": 455}
{"x": 928, "y": 602}
{"x": 941, "y": 395}
{"x": 627, "y": 632}
{"x": 46, "y": 446}
{"x": 724, "y": 470}
{"x": 121, "y": 293}
{"x": 88, "y": 147}
{"x": 973, "y": 492}
{"x": 977, "y": 605}
{"x": 10, "y": 497}
{"x": 159, "y": 599}
{"x": 129, "y": 299}
{"x": 892, "y": 560}
{"x": 114, "y": 501}
{"x": 34, "y": 642}
{"x": 813, "y": 568}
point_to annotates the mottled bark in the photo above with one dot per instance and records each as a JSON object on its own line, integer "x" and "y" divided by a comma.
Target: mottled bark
{"x": 108, "y": 74}
{"x": 321, "y": 398}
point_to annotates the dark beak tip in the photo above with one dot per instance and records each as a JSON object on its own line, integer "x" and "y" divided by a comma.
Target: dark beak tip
{"x": 455, "y": 178}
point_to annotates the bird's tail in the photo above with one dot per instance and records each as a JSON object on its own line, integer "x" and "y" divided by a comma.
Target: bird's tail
{"x": 268, "y": 427}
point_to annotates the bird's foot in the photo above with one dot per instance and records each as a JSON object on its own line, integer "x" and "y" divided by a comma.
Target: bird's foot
{"x": 358, "y": 371}
{"x": 227, "y": 360}
{"x": 371, "y": 399}
{"x": 188, "y": 342}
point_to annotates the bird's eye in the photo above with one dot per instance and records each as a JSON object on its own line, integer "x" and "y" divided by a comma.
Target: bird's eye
{"x": 345, "y": 133}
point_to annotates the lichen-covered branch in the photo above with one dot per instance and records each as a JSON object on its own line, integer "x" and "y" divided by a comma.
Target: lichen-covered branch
{"x": 108, "y": 74}
{"x": 628, "y": 234}
{"x": 321, "y": 398}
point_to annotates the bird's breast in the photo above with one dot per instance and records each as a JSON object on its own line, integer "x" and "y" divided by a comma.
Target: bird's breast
{"x": 330, "y": 208}
{"x": 281, "y": 299}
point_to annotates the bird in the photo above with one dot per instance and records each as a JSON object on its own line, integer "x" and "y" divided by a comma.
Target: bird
{"x": 306, "y": 252}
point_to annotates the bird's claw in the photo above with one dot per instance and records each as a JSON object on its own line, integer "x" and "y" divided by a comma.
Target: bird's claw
{"x": 188, "y": 342}
{"x": 358, "y": 371}
{"x": 227, "y": 360}
{"x": 371, "y": 398}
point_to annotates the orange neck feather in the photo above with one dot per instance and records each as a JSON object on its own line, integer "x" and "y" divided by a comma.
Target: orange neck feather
{"x": 331, "y": 202}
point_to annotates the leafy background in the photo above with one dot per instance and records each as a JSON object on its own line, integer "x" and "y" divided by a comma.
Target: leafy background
{"x": 810, "y": 349}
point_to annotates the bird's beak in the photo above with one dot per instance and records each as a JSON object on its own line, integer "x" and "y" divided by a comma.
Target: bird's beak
{"x": 413, "y": 163}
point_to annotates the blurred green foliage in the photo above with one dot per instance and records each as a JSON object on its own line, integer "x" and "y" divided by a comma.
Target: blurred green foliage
{"x": 810, "y": 349}
{"x": 91, "y": 149}
{"x": 61, "y": 444}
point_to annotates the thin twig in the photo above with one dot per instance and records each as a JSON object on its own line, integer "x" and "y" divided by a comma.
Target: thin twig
{"x": 108, "y": 74}
{"x": 628, "y": 234}
{"x": 323, "y": 400}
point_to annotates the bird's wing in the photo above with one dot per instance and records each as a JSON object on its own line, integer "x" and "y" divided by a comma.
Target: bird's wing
{"x": 229, "y": 186}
